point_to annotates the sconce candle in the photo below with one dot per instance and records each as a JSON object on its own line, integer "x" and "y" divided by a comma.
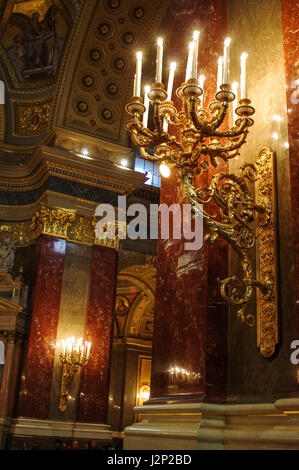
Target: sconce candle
{"x": 146, "y": 104}
{"x": 226, "y": 60}
{"x": 138, "y": 74}
{"x": 189, "y": 62}
{"x": 159, "y": 60}
{"x": 219, "y": 74}
{"x": 171, "y": 79}
{"x": 235, "y": 86}
{"x": 201, "y": 82}
{"x": 195, "y": 54}
{"x": 243, "y": 80}
{"x": 74, "y": 354}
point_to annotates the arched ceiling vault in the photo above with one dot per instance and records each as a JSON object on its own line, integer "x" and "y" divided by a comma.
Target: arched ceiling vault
{"x": 75, "y": 82}
{"x": 98, "y": 80}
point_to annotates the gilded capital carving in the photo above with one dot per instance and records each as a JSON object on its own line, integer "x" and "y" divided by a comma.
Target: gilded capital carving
{"x": 58, "y": 222}
{"x": 12, "y": 336}
{"x": 53, "y": 221}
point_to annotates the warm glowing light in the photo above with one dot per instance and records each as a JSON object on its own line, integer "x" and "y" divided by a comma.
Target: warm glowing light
{"x": 164, "y": 170}
{"x": 124, "y": 162}
{"x": 144, "y": 393}
{"x": 195, "y": 35}
{"x": 85, "y": 152}
{"x": 277, "y": 118}
{"x": 275, "y": 135}
{"x": 73, "y": 350}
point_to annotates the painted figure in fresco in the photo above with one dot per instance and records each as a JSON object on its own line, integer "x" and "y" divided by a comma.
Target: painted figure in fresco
{"x": 36, "y": 42}
{"x": 7, "y": 253}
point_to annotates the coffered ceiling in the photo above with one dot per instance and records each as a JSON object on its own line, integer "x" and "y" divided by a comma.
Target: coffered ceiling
{"x": 68, "y": 67}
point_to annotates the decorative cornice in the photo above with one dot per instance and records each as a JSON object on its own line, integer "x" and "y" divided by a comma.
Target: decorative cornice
{"x": 51, "y": 161}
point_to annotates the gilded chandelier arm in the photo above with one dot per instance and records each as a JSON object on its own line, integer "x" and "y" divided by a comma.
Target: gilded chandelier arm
{"x": 234, "y": 132}
{"x": 215, "y": 149}
{"x": 219, "y": 115}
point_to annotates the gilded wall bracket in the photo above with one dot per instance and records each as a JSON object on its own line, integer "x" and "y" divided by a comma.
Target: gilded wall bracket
{"x": 245, "y": 221}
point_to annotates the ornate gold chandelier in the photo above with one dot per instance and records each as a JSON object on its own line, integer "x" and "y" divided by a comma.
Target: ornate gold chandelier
{"x": 196, "y": 145}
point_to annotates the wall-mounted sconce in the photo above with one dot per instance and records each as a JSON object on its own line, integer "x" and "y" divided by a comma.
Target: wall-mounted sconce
{"x": 143, "y": 394}
{"x": 195, "y": 144}
{"x": 74, "y": 354}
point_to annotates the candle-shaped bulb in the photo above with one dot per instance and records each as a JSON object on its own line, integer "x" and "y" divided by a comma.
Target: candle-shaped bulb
{"x": 201, "y": 80}
{"x": 243, "y": 79}
{"x": 189, "y": 62}
{"x": 146, "y": 104}
{"x": 219, "y": 73}
{"x": 170, "y": 79}
{"x": 226, "y": 60}
{"x": 195, "y": 54}
{"x": 235, "y": 86}
{"x": 159, "y": 60}
{"x": 138, "y": 73}
{"x": 134, "y": 86}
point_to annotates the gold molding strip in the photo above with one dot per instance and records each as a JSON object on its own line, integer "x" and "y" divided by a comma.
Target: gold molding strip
{"x": 266, "y": 254}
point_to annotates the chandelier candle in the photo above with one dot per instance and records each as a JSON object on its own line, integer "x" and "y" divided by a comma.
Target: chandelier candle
{"x": 189, "y": 62}
{"x": 170, "y": 80}
{"x": 201, "y": 82}
{"x": 195, "y": 54}
{"x": 219, "y": 74}
{"x": 226, "y": 60}
{"x": 235, "y": 86}
{"x": 146, "y": 104}
{"x": 243, "y": 76}
{"x": 159, "y": 60}
{"x": 137, "y": 91}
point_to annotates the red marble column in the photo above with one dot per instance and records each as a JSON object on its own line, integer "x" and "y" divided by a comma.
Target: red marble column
{"x": 94, "y": 382}
{"x": 35, "y": 390}
{"x": 290, "y": 32}
{"x": 190, "y": 326}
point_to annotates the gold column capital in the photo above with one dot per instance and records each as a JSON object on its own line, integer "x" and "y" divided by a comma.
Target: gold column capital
{"x": 58, "y": 222}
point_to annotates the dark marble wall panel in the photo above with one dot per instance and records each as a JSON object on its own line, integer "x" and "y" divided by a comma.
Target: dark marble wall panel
{"x": 256, "y": 27}
{"x": 190, "y": 326}
{"x": 38, "y": 369}
{"x": 94, "y": 385}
